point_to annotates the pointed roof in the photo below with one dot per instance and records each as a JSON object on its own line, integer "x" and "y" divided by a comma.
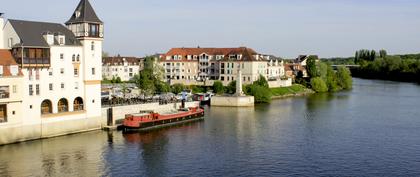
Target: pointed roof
{"x": 84, "y": 13}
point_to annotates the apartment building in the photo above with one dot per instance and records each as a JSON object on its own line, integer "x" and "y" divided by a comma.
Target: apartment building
{"x": 197, "y": 66}
{"x": 123, "y": 67}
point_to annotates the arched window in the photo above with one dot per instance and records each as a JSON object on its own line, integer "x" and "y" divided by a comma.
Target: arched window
{"x": 63, "y": 105}
{"x": 46, "y": 107}
{"x": 78, "y": 58}
{"x": 73, "y": 58}
{"x": 78, "y": 104}
{"x": 92, "y": 46}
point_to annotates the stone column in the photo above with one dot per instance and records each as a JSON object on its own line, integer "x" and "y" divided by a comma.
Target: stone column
{"x": 239, "y": 91}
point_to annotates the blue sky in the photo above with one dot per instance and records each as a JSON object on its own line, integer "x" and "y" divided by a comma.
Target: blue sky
{"x": 284, "y": 28}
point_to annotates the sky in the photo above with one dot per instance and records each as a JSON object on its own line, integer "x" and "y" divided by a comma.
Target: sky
{"x": 285, "y": 28}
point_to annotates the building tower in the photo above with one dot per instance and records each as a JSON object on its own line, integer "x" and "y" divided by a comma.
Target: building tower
{"x": 88, "y": 29}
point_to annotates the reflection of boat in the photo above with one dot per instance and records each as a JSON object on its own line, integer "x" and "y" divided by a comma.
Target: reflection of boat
{"x": 149, "y": 119}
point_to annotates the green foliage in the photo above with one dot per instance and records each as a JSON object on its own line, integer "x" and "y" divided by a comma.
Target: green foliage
{"x": 162, "y": 87}
{"x": 218, "y": 87}
{"x": 198, "y": 89}
{"x": 149, "y": 79}
{"x": 231, "y": 88}
{"x": 319, "y": 85}
{"x": 261, "y": 82}
{"x": 365, "y": 55}
{"x": 391, "y": 67}
{"x": 177, "y": 88}
{"x": 331, "y": 80}
{"x": 261, "y": 94}
{"x": 296, "y": 88}
{"x": 311, "y": 66}
{"x": 382, "y": 53}
{"x": 118, "y": 80}
{"x": 344, "y": 78}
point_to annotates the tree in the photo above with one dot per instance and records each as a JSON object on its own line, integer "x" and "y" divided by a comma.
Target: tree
{"x": 118, "y": 80}
{"x": 262, "y": 81}
{"x": 318, "y": 85}
{"x": 124, "y": 89}
{"x": 311, "y": 66}
{"x": 162, "y": 87}
{"x": 218, "y": 87}
{"x": 231, "y": 88}
{"x": 382, "y": 53}
{"x": 344, "y": 78}
{"x": 178, "y": 88}
{"x": 331, "y": 80}
{"x": 261, "y": 94}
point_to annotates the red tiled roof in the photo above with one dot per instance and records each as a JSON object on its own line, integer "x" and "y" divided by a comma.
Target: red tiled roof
{"x": 247, "y": 53}
{"x": 6, "y": 60}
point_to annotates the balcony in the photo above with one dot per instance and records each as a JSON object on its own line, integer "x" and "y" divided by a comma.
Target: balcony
{"x": 34, "y": 62}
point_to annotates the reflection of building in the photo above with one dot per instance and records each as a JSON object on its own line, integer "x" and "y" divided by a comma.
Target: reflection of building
{"x": 62, "y": 74}
{"x": 123, "y": 67}
{"x": 11, "y": 82}
{"x": 199, "y": 65}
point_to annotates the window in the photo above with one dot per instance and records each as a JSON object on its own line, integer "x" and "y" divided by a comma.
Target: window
{"x": 51, "y": 86}
{"x": 3, "y": 113}
{"x": 78, "y": 104}
{"x": 4, "y": 92}
{"x": 78, "y": 58}
{"x": 62, "y": 85}
{"x": 37, "y": 89}
{"x": 93, "y": 71}
{"x": 62, "y": 70}
{"x": 61, "y": 40}
{"x": 50, "y": 72}
{"x": 63, "y": 105}
{"x": 46, "y": 107}
{"x": 37, "y": 74}
{"x": 14, "y": 88}
{"x": 31, "y": 90}
{"x": 10, "y": 42}
{"x": 61, "y": 55}
{"x": 30, "y": 74}
{"x": 222, "y": 78}
{"x": 92, "y": 46}
{"x": 76, "y": 72}
{"x": 76, "y": 85}
{"x": 73, "y": 58}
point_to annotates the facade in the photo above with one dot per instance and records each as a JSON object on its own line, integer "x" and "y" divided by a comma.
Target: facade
{"x": 61, "y": 67}
{"x": 11, "y": 82}
{"x": 197, "y": 66}
{"x": 123, "y": 67}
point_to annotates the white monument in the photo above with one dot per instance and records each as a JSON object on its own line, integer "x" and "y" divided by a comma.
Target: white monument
{"x": 239, "y": 99}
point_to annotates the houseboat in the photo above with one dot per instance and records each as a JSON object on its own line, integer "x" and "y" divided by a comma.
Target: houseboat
{"x": 147, "y": 120}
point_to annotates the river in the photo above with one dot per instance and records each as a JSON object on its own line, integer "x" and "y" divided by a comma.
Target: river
{"x": 372, "y": 130}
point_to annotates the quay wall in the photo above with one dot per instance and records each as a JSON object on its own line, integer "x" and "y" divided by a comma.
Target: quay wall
{"x": 47, "y": 127}
{"x": 232, "y": 101}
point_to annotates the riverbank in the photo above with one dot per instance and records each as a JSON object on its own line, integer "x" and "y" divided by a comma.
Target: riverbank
{"x": 292, "y": 91}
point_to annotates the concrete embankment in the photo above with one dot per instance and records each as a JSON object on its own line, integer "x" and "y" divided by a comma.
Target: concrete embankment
{"x": 76, "y": 122}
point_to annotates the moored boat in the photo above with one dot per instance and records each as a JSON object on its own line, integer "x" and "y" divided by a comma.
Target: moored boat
{"x": 149, "y": 119}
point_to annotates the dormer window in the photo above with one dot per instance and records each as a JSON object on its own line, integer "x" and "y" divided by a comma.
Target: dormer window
{"x": 61, "y": 40}
{"x": 77, "y": 14}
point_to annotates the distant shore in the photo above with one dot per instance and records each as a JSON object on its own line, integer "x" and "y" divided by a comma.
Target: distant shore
{"x": 295, "y": 90}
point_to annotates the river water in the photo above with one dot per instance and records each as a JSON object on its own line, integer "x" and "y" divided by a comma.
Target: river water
{"x": 372, "y": 130}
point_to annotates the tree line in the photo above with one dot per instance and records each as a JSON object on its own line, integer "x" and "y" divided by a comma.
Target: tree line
{"x": 388, "y": 67}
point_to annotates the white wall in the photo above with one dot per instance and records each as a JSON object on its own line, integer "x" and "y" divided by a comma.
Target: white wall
{"x": 9, "y": 32}
{"x": 1, "y": 33}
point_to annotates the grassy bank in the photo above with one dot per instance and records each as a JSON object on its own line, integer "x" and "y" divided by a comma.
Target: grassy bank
{"x": 294, "y": 90}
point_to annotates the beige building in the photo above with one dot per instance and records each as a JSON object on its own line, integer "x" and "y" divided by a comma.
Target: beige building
{"x": 123, "y": 67}
{"x": 198, "y": 66}
{"x": 11, "y": 84}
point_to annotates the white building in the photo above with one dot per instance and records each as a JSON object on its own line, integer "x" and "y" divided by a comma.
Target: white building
{"x": 61, "y": 67}
{"x": 123, "y": 67}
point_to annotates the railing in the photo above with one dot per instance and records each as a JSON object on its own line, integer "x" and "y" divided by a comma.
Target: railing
{"x": 34, "y": 62}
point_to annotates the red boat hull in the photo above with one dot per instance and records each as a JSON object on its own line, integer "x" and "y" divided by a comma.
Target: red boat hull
{"x": 151, "y": 120}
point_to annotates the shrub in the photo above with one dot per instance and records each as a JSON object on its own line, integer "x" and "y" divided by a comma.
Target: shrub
{"x": 261, "y": 82}
{"x": 231, "y": 88}
{"x": 261, "y": 94}
{"x": 318, "y": 85}
{"x": 218, "y": 87}
{"x": 344, "y": 78}
{"x": 177, "y": 88}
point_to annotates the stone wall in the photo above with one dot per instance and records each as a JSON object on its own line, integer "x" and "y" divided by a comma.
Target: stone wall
{"x": 64, "y": 125}
{"x": 280, "y": 83}
{"x": 232, "y": 101}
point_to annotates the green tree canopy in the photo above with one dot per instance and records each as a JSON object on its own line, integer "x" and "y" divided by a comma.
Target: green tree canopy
{"x": 319, "y": 85}
{"x": 218, "y": 87}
